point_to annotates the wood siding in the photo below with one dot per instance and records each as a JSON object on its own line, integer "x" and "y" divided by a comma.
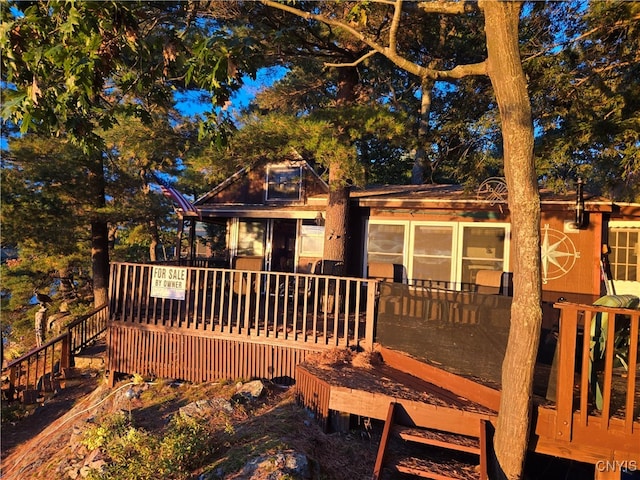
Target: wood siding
{"x": 160, "y": 353}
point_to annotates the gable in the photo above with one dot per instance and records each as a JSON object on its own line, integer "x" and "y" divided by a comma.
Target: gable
{"x": 289, "y": 182}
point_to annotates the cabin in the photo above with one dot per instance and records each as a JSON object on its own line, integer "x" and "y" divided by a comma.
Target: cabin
{"x": 432, "y": 233}
{"x": 427, "y": 285}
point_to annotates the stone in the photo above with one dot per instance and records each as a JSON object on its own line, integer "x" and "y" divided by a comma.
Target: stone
{"x": 249, "y": 391}
{"x": 73, "y": 473}
{"x": 205, "y": 408}
{"x": 287, "y": 464}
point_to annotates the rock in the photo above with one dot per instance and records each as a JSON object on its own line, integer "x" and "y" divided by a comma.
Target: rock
{"x": 249, "y": 391}
{"x": 288, "y": 464}
{"x": 216, "y": 474}
{"x": 73, "y": 473}
{"x": 205, "y": 408}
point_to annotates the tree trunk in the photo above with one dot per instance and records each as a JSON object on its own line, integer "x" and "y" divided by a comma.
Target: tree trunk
{"x": 67, "y": 289}
{"x": 417, "y": 172}
{"x": 99, "y": 235}
{"x": 337, "y": 215}
{"x": 335, "y": 227}
{"x": 155, "y": 240}
{"x": 100, "y": 262}
{"x": 509, "y": 83}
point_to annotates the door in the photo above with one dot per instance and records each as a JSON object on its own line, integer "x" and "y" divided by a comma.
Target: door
{"x": 283, "y": 245}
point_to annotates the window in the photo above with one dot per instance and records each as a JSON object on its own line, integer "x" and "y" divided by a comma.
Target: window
{"x": 386, "y": 243}
{"x": 210, "y": 240}
{"x": 284, "y": 183}
{"x": 432, "y": 252}
{"x": 250, "y": 238}
{"x": 482, "y": 249}
{"x": 448, "y": 252}
{"x": 311, "y": 240}
{"x": 625, "y": 252}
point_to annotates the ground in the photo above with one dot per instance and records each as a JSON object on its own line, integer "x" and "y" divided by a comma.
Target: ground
{"x": 38, "y": 444}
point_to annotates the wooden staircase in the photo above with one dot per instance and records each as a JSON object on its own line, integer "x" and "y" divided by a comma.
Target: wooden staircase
{"x": 428, "y": 453}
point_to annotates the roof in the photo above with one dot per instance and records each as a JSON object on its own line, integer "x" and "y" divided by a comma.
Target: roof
{"x": 242, "y": 176}
{"x": 454, "y": 196}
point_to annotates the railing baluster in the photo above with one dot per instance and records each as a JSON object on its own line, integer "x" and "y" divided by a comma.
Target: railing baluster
{"x": 584, "y": 377}
{"x": 566, "y": 364}
{"x": 608, "y": 371}
{"x": 632, "y": 360}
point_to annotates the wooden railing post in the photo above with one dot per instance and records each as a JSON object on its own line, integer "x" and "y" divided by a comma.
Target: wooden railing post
{"x": 372, "y": 287}
{"x": 565, "y": 370}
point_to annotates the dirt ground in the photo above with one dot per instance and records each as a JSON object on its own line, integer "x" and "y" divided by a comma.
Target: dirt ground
{"x": 36, "y": 444}
{"x": 36, "y": 440}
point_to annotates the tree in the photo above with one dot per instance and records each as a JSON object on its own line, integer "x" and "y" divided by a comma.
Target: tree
{"x": 585, "y": 92}
{"x": 72, "y": 69}
{"x": 504, "y": 68}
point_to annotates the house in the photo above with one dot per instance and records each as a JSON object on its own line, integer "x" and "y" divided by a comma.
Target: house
{"x": 427, "y": 284}
{"x": 434, "y": 233}
{"x": 273, "y": 211}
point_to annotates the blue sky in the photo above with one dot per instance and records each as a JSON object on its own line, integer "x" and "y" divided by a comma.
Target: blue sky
{"x": 198, "y": 103}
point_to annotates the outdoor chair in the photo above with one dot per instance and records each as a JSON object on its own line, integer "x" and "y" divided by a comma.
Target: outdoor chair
{"x": 468, "y": 307}
{"x": 488, "y": 281}
{"x": 385, "y": 272}
{"x": 240, "y": 280}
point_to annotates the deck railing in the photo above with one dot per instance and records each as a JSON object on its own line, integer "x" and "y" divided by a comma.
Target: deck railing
{"x": 597, "y": 368}
{"x": 270, "y": 306}
{"x": 37, "y": 370}
{"x": 86, "y": 329}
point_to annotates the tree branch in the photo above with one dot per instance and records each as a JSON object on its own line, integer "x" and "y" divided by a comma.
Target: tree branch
{"x": 352, "y": 64}
{"x": 395, "y": 24}
{"x": 455, "y": 73}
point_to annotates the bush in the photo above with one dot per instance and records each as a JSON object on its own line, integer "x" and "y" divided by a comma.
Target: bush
{"x": 138, "y": 455}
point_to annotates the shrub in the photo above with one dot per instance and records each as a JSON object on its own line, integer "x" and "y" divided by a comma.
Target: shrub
{"x": 138, "y": 455}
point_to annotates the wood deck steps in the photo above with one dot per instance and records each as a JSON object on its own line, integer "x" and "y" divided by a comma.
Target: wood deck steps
{"x": 427, "y": 453}
{"x": 434, "y": 465}
{"x": 461, "y": 443}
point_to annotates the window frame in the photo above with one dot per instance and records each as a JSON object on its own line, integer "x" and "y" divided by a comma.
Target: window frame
{"x": 615, "y": 229}
{"x": 457, "y": 243}
{"x": 271, "y": 169}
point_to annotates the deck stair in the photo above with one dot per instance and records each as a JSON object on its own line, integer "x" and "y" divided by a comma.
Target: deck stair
{"x": 417, "y": 452}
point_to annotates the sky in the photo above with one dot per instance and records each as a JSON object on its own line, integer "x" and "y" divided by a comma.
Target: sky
{"x": 198, "y": 103}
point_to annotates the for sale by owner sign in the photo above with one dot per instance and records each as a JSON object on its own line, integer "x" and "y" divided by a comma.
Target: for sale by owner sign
{"x": 169, "y": 282}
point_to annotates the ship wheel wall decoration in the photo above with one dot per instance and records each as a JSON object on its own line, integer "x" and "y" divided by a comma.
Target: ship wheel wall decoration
{"x": 558, "y": 254}
{"x": 493, "y": 189}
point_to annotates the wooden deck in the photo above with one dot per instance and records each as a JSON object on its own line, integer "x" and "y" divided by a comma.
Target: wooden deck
{"x": 233, "y": 323}
{"x": 417, "y": 387}
{"x": 272, "y": 324}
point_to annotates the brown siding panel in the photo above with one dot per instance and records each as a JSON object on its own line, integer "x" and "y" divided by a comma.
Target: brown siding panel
{"x": 158, "y": 353}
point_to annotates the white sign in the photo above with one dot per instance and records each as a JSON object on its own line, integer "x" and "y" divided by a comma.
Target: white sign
{"x": 169, "y": 282}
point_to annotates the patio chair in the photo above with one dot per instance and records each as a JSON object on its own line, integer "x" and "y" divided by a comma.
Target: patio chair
{"x": 489, "y": 281}
{"x": 470, "y": 306}
{"x": 240, "y": 279}
{"x": 386, "y": 272}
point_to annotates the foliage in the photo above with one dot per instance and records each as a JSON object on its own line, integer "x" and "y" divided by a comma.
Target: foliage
{"x": 137, "y": 454}
{"x": 585, "y": 90}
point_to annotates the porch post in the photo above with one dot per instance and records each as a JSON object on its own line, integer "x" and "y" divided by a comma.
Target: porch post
{"x": 178, "y": 246}
{"x": 372, "y": 287}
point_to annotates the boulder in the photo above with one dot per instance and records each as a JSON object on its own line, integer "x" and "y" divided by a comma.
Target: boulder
{"x": 249, "y": 391}
{"x": 205, "y": 408}
{"x": 281, "y": 465}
